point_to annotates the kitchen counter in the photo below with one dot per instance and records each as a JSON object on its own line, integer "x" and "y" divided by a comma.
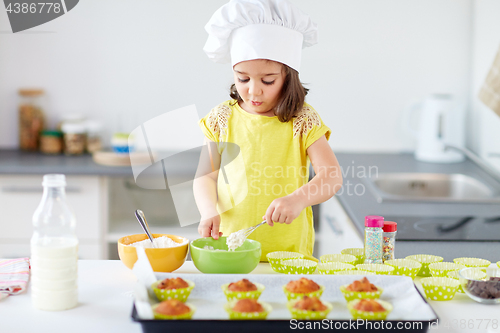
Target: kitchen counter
{"x": 358, "y": 201}
{"x": 105, "y": 305}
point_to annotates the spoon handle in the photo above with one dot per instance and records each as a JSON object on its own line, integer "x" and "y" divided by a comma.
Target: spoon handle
{"x": 144, "y": 224}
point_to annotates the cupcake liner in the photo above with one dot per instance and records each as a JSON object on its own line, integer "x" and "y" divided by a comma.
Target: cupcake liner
{"x": 439, "y": 288}
{"x": 425, "y": 260}
{"x": 170, "y": 317}
{"x": 352, "y": 295}
{"x": 345, "y": 258}
{"x": 405, "y": 267}
{"x": 180, "y": 294}
{"x": 298, "y": 266}
{"x": 308, "y": 315}
{"x": 441, "y": 269}
{"x": 354, "y": 272}
{"x": 332, "y": 267}
{"x": 233, "y": 315}
{"x": 498, "y": 264}
{"x": 236, "y": 295}
{"x": 379, "y": 269}
{"x": 368, "y": 315}
{"x": 454, "y": 275}
{"x": 472, "y": 262}
{"x": 275, "y": 259}
{"x": 291, "y": 296}
{"x": 359, "y": 253}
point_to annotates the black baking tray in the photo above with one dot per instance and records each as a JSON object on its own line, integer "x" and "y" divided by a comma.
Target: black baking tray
{"x": 279, "y": 326}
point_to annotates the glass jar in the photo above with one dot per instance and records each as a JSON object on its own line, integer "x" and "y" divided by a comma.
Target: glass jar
{"x": 31, "y": 118}
{"x": 389, "y": 240}
{"x": 94, "y": 142}
{"x": 74, "y": 138}
{"x": 51, "y": 142}
{"x": 373, "y": 239}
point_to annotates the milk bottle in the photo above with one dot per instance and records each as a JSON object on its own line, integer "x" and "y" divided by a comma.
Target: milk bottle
{"x": 54, "y": 249}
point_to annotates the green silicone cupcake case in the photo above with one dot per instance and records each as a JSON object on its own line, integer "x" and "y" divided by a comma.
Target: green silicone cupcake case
{"x": 368, "y": 315}
{"x": 332, "y": 267}
{"x": 359, "y": 253}
{"x": 472, "y": 262}
{"x": 291, "y": 296}
{"x": 235, "y": 295}
{"x": 233, "y": 315}
{"x": 180, "y": 294}
{"x": 441, "y": 269}
{"x": 308, "y": 315}
{"x": 298, "y": 266}
{"x": 454, "y": 275}
{"x": 170, "y": 317}
{"x": 379, "y": 269}
{"x": 354, "y": 272}
{"x": 439, "y": 288}
{"x": 345, "y": 258}
{"x": 352, "y": 295}
{"x": 425, "y": 260}
{"x": 405, "y": 267}
{"x": 275, "y": 259}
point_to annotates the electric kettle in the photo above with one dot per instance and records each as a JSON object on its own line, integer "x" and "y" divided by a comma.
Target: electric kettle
{"x": 440, "y": 122}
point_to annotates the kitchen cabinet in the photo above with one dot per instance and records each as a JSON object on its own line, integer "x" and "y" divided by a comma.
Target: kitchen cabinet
{"x": 20, "y": 196}
{"x": 336, "y": 230}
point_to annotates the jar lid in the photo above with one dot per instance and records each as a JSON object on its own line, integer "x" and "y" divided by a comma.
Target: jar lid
{"x": 390, "y": 226}
{"x": 52, "y": 133}
{"x": 75, "y": 128}
{"x": 374, "y": 221}
{"x": 30, "y": 92}
{"x": 54, "y": 180}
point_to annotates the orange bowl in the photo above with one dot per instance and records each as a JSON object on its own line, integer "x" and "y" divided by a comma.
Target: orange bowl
{"x": 162, "y": 260}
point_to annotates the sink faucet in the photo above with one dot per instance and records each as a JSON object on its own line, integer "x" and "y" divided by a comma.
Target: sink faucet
{"x": 476, "y": 159}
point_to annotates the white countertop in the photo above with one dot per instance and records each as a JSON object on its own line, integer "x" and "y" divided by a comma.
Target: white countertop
{"x": 105, "y": 305}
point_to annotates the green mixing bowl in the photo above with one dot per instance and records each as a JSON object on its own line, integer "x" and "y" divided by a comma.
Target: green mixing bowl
{"x": 212, "y": 256}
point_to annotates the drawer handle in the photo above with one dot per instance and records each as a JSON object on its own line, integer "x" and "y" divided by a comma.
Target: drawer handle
{"x": 35, "y": 189}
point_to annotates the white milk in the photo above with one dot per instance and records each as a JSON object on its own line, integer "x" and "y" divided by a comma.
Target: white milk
{"x": 54, "y": 277}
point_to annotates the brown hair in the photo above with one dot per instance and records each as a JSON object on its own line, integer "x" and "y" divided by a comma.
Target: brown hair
{"x": 293, "y": 95}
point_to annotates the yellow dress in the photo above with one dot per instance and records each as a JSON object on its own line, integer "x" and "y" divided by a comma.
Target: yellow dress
{"x": 263, "y": 159}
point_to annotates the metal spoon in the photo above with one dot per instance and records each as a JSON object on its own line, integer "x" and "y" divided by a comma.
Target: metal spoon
{"x": 144, "y": 224}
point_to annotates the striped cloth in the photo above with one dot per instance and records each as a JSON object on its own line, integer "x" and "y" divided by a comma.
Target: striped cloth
{"x": 14, "y": 275}
{"x": 490, "y": 91}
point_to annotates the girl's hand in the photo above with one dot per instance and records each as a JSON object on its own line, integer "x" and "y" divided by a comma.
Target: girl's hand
{"x": 284, "y": 210}
{"x": 210, "y": 227}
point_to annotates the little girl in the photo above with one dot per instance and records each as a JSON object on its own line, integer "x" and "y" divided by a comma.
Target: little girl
{"x": 260, "y": 142}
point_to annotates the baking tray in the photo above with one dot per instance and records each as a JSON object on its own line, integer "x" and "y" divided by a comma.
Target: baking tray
{"x": 411, "y": 310}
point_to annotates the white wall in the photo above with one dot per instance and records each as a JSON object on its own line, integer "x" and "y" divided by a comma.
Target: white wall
{"x": 127, "y": 61}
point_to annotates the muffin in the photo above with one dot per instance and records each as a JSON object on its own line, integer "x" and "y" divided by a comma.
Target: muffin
{"x": 173, "y": 309}
{"x": 369, "y": 309}
{"x": 242, "y": 289}
{"x": 361, "y": 285}
{"x": 173, "y": 283}
{"x": 360, "y": 289}
{"x": 302, "y": 287}
{"x": 172, "y": 288}
{"x": 309, "y": 308}
{"x": 247, "y": 305}
{"x": 242, "y": 285}
{"x": 247, "y": 308}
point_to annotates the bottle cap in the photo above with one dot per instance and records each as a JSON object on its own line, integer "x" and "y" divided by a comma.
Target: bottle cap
{"x": 374, "y": 221}
{"x": 390, "y": 226}
{"x": 54, "y": 180}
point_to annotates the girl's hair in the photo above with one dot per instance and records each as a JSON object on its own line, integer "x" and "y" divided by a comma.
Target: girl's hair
{"x": 292, "y": 96}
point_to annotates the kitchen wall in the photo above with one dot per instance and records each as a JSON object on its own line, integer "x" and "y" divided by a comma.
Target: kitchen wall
{"x": 486, "y": 37}
{"x": 126, "y": 61}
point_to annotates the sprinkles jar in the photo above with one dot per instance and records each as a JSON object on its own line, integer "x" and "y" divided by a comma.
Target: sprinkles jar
{"x": 373, "y": 239}
{"x": 389, "y": 240}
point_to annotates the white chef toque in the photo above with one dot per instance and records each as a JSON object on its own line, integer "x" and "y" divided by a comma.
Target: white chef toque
{"x": 259, "y": 29}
